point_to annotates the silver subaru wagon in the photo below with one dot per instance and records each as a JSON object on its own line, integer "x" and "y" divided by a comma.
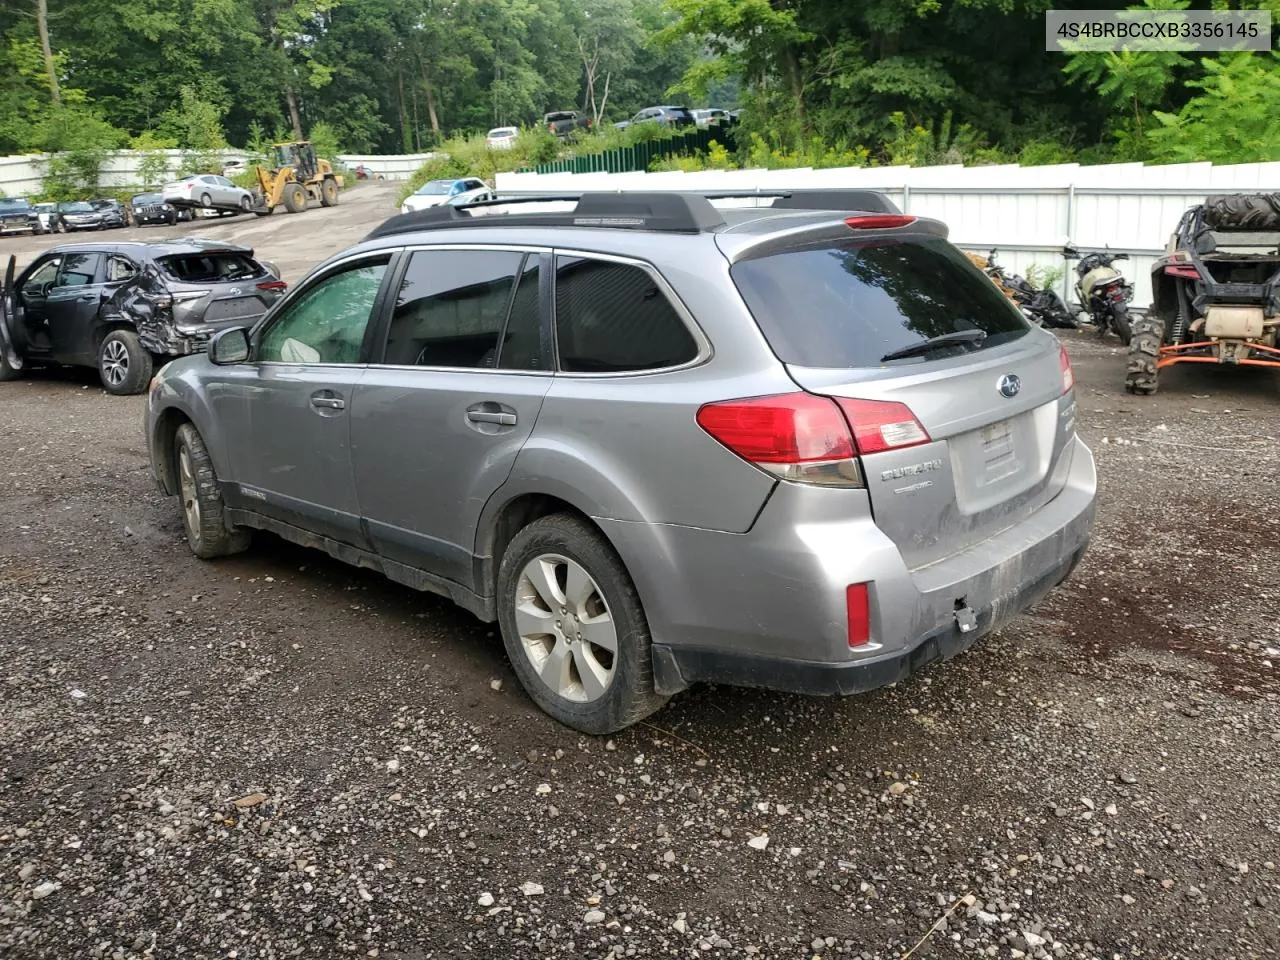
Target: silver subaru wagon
{"x": 805, "y": 446}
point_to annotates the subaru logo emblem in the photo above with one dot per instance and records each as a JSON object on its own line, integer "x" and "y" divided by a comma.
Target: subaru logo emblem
{"x": 1010, "y": 385}
{"x": 235, "y": 292}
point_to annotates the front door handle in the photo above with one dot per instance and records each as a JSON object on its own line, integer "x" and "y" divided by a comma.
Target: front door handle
{"x": 328, "y": 403}
{"x": 489, "y": 416}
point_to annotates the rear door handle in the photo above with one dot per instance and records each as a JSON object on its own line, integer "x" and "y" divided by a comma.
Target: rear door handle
{"x": 487, "y": 416}
{"x": 328, "y": 403}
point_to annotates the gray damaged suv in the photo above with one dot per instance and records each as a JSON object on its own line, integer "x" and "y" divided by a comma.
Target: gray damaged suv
{"x": 799, "y": 447}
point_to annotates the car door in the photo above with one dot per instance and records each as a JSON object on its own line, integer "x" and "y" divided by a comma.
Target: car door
{"x": 71, "y": 308}
{"x": 442, "y": 413}
{"x": 286, "y": 414}
{"x": 31, "y": 332}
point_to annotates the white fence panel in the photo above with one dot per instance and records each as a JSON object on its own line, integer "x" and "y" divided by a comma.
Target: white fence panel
{"x": 1026, "y": 213}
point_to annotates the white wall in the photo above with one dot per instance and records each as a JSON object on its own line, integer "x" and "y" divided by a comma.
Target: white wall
{"x": 22, "y": 175}
{"x": 1027, "y": 213}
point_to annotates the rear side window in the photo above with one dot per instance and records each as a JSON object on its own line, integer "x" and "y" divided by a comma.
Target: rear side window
{"x": 613, "y": 318}
{"x": 211, "y": 267}
{"x": 451, "y": 308}
{"x": 848, "y": 304}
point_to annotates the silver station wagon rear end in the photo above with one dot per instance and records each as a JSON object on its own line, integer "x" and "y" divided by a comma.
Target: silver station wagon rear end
{"x": 797, "y": 447}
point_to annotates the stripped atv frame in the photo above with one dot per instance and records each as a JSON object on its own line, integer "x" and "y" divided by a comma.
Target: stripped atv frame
{"x": 1216, "y": 292}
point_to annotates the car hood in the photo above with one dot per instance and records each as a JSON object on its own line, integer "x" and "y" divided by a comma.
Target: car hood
{"x": 421, "y": 202}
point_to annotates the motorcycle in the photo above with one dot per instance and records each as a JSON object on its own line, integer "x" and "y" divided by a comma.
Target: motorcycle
{"x": 1103, "y": 291}
{"x": 1044, "y": 308}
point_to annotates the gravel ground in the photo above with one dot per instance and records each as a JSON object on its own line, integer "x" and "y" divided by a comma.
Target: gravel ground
{"x": 279, "y": 756}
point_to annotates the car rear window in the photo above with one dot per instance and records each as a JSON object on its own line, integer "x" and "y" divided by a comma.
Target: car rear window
{"x": 211, "y": 267}
{"x": 848, "y": 303}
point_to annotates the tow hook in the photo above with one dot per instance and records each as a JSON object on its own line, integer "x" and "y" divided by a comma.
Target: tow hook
{"x": 966, "y": 619}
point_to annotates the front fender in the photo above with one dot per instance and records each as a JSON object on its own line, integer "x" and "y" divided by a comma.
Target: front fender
{"x": 177, "y": 397}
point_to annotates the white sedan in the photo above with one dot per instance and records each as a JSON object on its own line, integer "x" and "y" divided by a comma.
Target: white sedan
{"x": 209, "y": 191}
{"x": 457, "y": 191}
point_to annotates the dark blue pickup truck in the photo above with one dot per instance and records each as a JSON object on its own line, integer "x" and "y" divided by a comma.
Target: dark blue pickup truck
{"x": 18, "y": 216}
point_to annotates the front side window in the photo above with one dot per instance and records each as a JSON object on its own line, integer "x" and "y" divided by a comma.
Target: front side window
{"x": 41, "y": 276}
{"x": 327, "y": 322}
{"x": 452, "y": 308}
{"x": 78, "y": 269}
{"x": 613, "y": 318}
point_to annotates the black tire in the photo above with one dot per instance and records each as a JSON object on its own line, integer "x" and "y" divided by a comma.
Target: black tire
{"x": 203, "y": 513}
{"x": 1121, "y": 324}
{"x": 1141, "y": 374}
{"x": 171, "y": 219}
{"x": 628, "y": 696}
{"x": 246, "y": 205}
{"x": 123, "y": 365}
{"x": 295, "y": 198}
{"x": 206, "y": 201}
{"x": 329, "y": 193}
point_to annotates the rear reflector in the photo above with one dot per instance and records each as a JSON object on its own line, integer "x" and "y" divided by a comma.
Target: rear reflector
{"x": 879, "y": 222}
{"x": 880, "y": 425}
{"x": 858, "y": 605}
{"x": 1068, "y": 375}
{"x": 794, "y": 436}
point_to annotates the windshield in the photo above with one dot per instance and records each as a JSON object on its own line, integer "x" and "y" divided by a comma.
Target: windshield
{"x": 211, "y": 267}
{"x": 848, "y": 303}
{"x": 503, "y": 132}
{"x": 77, "y": 207}
{"x": 145, "y": 198}
{"x": 435, "y": 188}
{"x": 14, "y": 203}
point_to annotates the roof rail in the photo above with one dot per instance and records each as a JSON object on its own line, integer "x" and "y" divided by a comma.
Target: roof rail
{"x": 667, "y": 212}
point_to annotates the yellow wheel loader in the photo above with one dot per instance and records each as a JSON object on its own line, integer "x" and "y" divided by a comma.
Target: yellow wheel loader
{"x": 296, "y": 178}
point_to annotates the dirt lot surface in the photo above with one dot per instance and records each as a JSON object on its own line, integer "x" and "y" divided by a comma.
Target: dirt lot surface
{"x": 278, "y": 756}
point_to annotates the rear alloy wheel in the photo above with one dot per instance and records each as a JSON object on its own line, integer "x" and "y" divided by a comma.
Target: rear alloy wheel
{"x": 329, "y": 193}
{"x": 203, "y": 513}
{"x": 573, "y": 627}
{"x": 246, "y": 205}
{"x": 123, "y": 365}
{"x": 1141, "y": 373}
{"x": 206, "y": 201}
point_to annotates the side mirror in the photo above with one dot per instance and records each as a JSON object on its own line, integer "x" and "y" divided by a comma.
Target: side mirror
{"x": 229, "y": 346}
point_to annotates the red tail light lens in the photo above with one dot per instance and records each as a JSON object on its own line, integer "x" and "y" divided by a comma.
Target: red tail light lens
{"x": 1186, "y": 271}
{"x": 880, "y": 425}
{"x": 795, "y": 436}
{"x": 886, "y": 221}
{"x": 858, "y": 605}
{"x": 273, "y": 285}
{"x": 1068, "y": 375}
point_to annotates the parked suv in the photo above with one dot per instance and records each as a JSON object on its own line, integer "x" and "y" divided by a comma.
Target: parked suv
{"x": 798, "y": 447}
{"x": 123, "y": 307}
{"x": 17, "y": 215}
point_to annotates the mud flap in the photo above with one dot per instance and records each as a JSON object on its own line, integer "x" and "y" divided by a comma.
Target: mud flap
{"x": 9, "y": 318}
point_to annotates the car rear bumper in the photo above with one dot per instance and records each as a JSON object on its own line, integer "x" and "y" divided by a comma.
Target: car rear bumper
{"x": 768, "y": 608}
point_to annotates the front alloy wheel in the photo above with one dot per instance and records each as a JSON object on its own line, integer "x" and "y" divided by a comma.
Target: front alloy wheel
{"x": 566, "y": 629}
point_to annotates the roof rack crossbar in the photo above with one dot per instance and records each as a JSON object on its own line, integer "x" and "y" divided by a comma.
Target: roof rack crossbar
{"x": 661, "y": 212}
{"x": 669, "y": 211}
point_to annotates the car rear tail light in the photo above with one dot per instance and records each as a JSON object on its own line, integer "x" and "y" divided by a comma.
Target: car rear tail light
{"x": 273, "y": 285}
{"x": 1068, "y": 375}
{"x": 794, "y": 436}
{"x": 881, "y": 425}
{"x": 1185, "y": 270}
{"x": 879, "y": 222}
{"x": 858, "y": 607}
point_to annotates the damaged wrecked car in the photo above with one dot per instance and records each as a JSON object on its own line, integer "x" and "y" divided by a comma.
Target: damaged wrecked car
{"x": 126, "y": 308}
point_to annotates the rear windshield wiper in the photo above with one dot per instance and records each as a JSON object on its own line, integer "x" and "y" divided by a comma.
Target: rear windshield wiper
{"x": 960, "y": 337}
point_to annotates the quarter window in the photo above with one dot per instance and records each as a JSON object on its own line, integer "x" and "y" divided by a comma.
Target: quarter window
{"x": 327, "y": 323}
{"x": 613, "y": 317}
{"x": 452, "y": 308}
{"x": 118, "y": 269}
